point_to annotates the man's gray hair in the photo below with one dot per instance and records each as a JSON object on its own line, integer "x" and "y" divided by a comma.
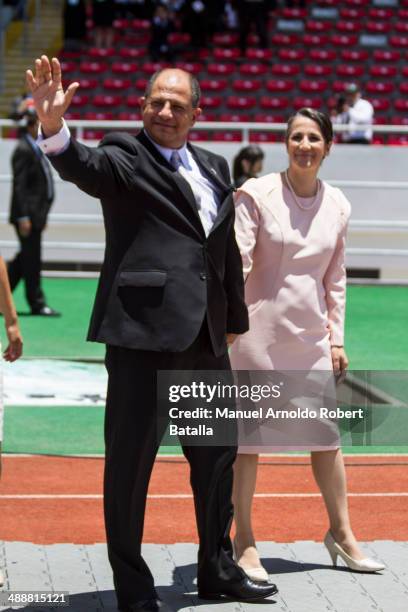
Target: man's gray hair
{"x": 194, "y": 84}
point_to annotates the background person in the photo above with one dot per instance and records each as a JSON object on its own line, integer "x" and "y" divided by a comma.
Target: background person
{"x": 358, "y": 114}
{"x": 31, "y": 200}
{"x": 15, "y": 343}
{"x": 247, "y": 164}
{"x": 291, "y": 230}
{"x": 170, "y": 296}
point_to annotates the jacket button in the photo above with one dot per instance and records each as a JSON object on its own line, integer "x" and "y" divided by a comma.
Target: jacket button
{"x": 203, "y": 276}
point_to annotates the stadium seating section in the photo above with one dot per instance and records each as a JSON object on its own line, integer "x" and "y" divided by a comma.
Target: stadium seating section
{"x": 313, "y": 54}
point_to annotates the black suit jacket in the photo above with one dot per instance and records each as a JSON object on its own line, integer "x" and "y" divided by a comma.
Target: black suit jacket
{"x": 29, "y": 193}
{"x": 161, "y": 275}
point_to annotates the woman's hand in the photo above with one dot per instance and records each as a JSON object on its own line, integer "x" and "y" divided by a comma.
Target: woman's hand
{"x": 340, "y": 362}
{"x": 15, "y": 347}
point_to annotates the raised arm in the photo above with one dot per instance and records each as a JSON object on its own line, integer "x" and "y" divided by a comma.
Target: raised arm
{"x": 15, "y": 342}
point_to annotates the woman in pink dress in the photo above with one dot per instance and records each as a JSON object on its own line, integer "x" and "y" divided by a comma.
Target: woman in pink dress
{"x": 291, "y": 230}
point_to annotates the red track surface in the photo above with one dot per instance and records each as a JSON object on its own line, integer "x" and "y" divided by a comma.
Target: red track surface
{"x": 46, "y": 521}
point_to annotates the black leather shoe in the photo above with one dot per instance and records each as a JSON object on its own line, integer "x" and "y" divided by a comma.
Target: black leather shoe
{"x": 147, "y": 605}
{"x": 244, "y": 590}
{"x": 45, "y": 311}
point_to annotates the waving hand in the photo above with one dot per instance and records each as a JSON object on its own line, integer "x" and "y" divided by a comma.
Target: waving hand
{"x": 49, "y": 98}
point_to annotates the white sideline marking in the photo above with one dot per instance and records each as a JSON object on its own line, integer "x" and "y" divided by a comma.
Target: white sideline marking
{"x": 190, "y": 496}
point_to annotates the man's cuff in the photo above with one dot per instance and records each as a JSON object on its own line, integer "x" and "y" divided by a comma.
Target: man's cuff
{"x": 54, "y": 145}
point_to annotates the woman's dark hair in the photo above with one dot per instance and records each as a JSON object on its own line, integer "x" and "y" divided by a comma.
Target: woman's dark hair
{"x": 252, "y": 153}
{"x": 322, "y": 120}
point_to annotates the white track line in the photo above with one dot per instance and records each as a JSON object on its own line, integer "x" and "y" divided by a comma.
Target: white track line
{"x": 190, "y": 496}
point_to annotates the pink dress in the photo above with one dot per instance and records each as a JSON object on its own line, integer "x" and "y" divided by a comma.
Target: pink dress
{"x": 293, "y": 261}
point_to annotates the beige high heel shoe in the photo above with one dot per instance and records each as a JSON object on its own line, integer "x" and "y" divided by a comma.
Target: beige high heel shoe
{"x": 257, "y": 574}
{"x": 357, "y": 565}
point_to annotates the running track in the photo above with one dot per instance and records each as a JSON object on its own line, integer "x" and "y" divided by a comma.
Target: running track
{"x": 58, "y": 499}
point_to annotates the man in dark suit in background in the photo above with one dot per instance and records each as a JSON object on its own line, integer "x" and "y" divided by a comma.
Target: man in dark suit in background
{"x": 32, "y": 196}
{"x": 170, "y": 297}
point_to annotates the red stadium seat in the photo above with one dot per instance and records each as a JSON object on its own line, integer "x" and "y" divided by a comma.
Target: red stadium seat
{"x": 226, "y": 54}
{"x": 68, "y": 67}
{"x": 402, "y": 13}
{"x": 268, "y": 102}
{"x": 213, "y": 84}
{"x": 246, "y": 85}
{"x": 350, "y": 70}
{"x": 354, "y": 55}
{"x": 99, "y": 53}
{"x": 198, "y": 136}
{"x": 179, "y": 38}
{"x": 253, "y": 69}
{"x": 378, "y": 139}
{"x": 89, "y": 134}
{"x": 258, "y": 54}
{"x": 133, "y": 100}
{"x": 351, "y": 13}
{"x": 378, "y": 27}
{"x": 226, "y": 39}
{"x": 221, "y": 68}
{"x": 313, "y": 85}
{"x": 296, "y": 55}
{"x": 400, "y": 120}
{"x": 208, "y": 117}
{"x": 152, "y": 67}
{"x": 80, "y": 100}
{"x": 230, "y": 117}
{"x": 301, "y": 101}
{"x": 379, "y": 87}
{"x": 402, "y": 27}
{"x": 317, "y": 70}
{"x": 338, "y": 87}
{"x": 126, "y": 116}
{"x": 257, "y": 136}
{"x": 379, "y": 70}
{"x": 380, "y": 13}
{"x": 93, "y": 67}
{"x": 349, "y": 27}
{"x": 405, "y": 71}
{"x": 359, "y": 3}
{"x": 386, "y": 55}
{"x": 230, "y": 136}
{"x": 121, "y": 24}
{"x": 129, "y": 53}
{"x": 398, "y": 141}
{"x": 211, "y": 102}
{"x": 125, "y": 68}
{"x": 293, "y": 13}
{"x": 69, "y": 55}
{"x": 343, "y": 40}
{"x": 117, "y": 84}
{"x": 380, "y": 104}
{"x": 317, "y": 26}
{"x": 241, "y": 102}
{"x": 315, "y": 40}
{"x": 399, "y": 41}
{"x": 136, "y": 40}
{"x": 98, "y": 116}
{"x": 403, "y": 87}
{"x": 193, "y": 67}
{"x": 285, "y": 69}
{"x": 322, "y": 55}
{"x": 105, "y": 101}
{"x": 72, "y": 116}
{"x": 140, "y": 84}
{"x": 284, "y": 40}
{"x": 88, "y": 83}
{"x": 269, "y": 118}
{"x": 277, "y": 85}
{"x": 140, "y": 24}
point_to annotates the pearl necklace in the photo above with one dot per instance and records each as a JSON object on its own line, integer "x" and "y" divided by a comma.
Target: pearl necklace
{"x": 292, "y": 191}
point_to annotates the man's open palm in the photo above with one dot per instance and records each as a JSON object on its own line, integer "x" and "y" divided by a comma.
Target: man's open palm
{"x": 49, "y": 98}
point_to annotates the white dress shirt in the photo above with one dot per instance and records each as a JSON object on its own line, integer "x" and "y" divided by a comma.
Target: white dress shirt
{"x": 209, "y": 195}
{"x": 361, "y": 113}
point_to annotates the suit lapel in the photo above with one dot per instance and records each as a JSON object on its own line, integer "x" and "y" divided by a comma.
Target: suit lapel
{"x": 202, "y": 159}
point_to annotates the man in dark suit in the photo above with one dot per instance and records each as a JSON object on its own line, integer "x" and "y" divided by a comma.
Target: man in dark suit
{"x": 170, "y": 296}
{"x": 32, "y": 196}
